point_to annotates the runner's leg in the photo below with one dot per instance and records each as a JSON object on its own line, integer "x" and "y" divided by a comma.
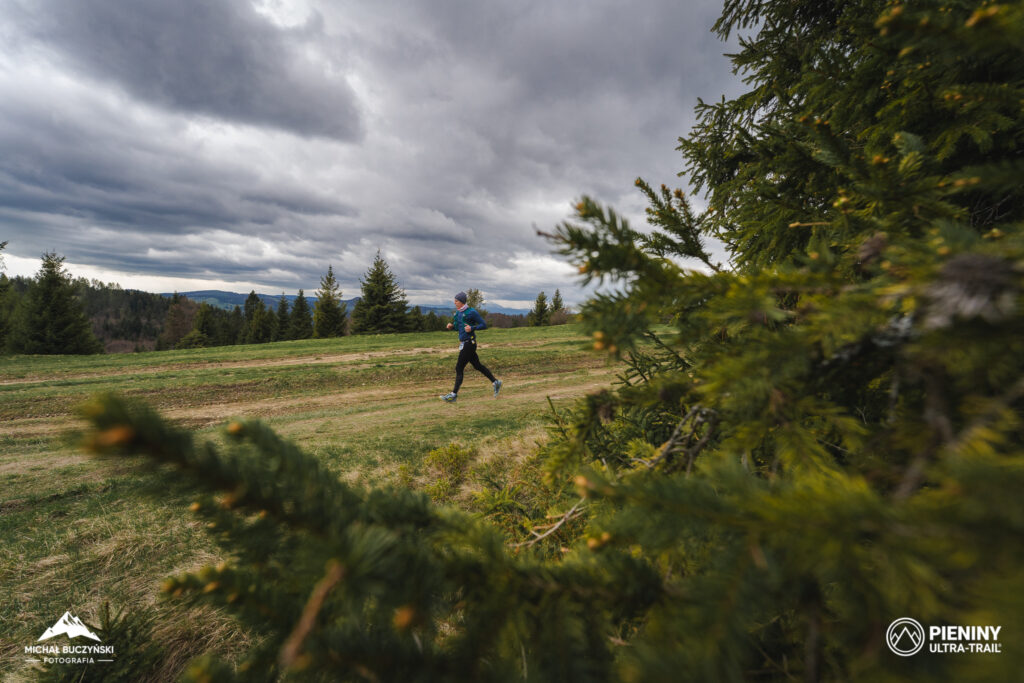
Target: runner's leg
{"x": 475, "y": 360}
{"x": 460, "y": 366}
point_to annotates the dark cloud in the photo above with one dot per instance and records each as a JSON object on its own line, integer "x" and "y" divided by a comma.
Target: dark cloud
{"x": 577, "y": 49}
{"x": 214, "y": 57}
{"x": 108, "y": 169}
{"x": 208, "y": 139}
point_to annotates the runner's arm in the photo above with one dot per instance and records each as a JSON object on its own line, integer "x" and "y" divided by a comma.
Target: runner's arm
{"x": 477, "y": 321}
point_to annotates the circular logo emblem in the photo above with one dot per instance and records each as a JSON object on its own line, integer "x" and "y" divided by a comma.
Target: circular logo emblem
{"x": 905, "y": 637}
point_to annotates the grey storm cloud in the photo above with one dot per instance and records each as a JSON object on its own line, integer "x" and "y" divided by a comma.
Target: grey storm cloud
{"x": 225, "y": 140}
{"x": 95, "y": 167}
{"x": 215, "y": 57}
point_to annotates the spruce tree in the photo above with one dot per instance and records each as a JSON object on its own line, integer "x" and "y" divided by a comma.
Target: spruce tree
{"x": 329, "y": 315}
{"x": 261, "y": 328}
{"x": 252, "y": 304}
{"x": 205, "y": 322}
{"x": 833, "y": 89}
{"x": 557, "y": 305}
{"x": 809, "y": 451}
{"x": 540, "y": 314}
{"x": 283, "y": 319}
{"x": 7, "y": 307}
{"x": 193, "y": 340}
{"x": 234, "y": 326}
{"x": 559, "y": 313}
{"x": 49, "y": 318}
{"x": 301, "y": 324}
{"x": 382, "y": 306}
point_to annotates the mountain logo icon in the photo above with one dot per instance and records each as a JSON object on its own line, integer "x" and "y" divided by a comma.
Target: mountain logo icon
{"x": 905, "y": 637}
{"x": 68, "y": 625}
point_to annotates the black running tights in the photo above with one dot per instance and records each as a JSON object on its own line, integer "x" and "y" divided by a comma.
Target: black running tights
{"x": 467, "y": 356}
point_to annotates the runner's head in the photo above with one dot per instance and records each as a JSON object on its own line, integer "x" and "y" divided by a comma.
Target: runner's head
{"x": 460, "y": 299}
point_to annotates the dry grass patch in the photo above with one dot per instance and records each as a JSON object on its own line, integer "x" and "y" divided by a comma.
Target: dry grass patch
{"x": 185, "y": 633}
{"x": 40, "y": 426}
{"x": 50, "y": 460}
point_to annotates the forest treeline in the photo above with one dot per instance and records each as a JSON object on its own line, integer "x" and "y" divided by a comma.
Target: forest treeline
{"x": 56, "y": 313}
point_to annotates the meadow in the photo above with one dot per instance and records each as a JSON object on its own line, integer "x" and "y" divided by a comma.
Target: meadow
{"x": 78, "y": 531}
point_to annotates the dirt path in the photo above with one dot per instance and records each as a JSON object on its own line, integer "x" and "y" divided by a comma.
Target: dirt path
{"x": 518, "y": 388}
{"x": 309, "y": 359}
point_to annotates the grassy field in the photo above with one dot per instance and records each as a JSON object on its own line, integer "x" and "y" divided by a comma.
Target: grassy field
{"x": 77, "y": 531}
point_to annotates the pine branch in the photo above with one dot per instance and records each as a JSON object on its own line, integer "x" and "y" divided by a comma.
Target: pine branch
{"x": 573, "y": 512}
{"x": 292, "y": 646}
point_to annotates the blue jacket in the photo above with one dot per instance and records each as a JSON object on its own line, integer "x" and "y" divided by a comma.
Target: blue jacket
{"x": 468, "y": 316}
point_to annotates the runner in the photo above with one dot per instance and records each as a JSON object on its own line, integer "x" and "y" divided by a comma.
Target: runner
{"x": 467, "y": 321}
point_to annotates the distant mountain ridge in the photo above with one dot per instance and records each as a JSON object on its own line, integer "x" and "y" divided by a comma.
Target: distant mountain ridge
{"x": 228, "y": 300}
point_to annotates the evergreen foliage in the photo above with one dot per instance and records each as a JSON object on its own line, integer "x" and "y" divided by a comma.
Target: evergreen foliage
{"x": 7, "y": 306}
{"x": 540, "y": 314}
{"x": 217, "y": 327}
{"x": 49, "y": 318}
{"x": 557, "y": 305}
{"x": 830, "y": 437}
{"x": 382, "y": 306}
{"x": 193, "y": 340}
{"x": 256, "y": 324}
{"x": 235, "y": 325}
{"x": 856, "y": 94}
{"x": 205, "y": 322}
{"x": 263, "y": 326}
{"x": 284, "y": 320}
{"x": 6, "y": 301}
{"x": 301, "y": 324}
{"x": 329, "y": 316}
{"x": 560, "y": 315}
{"x": 252, "y": 304}
{"x": 260, "y": 323}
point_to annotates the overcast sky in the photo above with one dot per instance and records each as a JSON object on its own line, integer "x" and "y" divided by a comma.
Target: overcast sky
{"x": 223, "y": 144}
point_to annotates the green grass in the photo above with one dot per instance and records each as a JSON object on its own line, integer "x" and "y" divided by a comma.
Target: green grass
{"x": 77, "y": 531}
